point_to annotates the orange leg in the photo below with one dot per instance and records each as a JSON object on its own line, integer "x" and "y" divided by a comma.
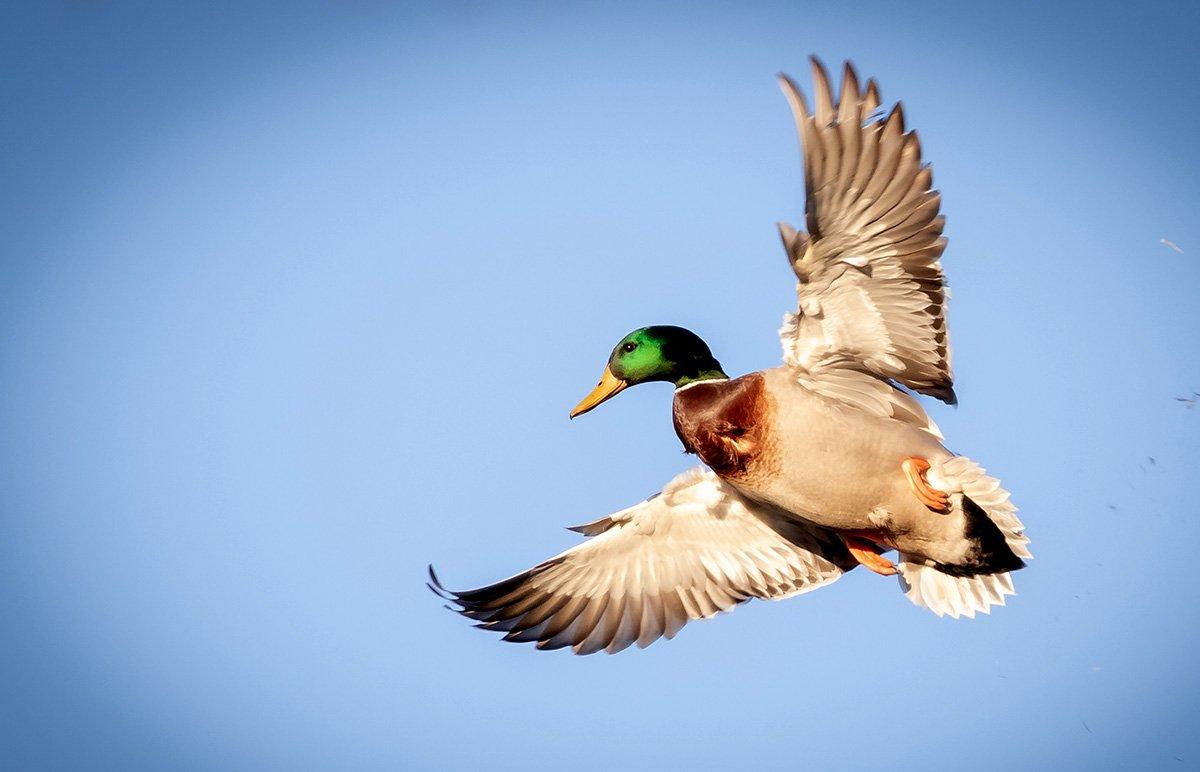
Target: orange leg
{"x": 914, "y": 470}
{"x": 867, "y": 553}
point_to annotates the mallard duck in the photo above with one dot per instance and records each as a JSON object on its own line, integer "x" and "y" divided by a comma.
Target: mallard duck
{"x": 814, "y": 467}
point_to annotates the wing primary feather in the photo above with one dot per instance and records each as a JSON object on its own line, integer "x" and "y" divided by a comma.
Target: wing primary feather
{"x": 435, "y": 585}
{"x": 871, "y": 100}
{"x": 850, "y": 95}
{"x": 822, "y": 92}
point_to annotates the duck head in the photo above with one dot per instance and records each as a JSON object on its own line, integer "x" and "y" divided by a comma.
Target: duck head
{"x": 657, "y": 353}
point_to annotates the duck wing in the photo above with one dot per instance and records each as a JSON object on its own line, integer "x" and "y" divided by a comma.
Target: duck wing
{"x": 690, "y": 552}
{"x": 872, "y": 296}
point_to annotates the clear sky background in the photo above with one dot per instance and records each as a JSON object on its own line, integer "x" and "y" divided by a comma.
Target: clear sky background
{"x": 295, "y": 299}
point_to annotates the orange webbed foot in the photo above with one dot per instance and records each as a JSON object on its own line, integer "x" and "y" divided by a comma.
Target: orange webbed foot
{"x": 866, "y": 553}
{"x": 915, "y": 469}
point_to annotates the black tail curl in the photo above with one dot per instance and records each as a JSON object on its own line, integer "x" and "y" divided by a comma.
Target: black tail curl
{"x": 990, "y": 554}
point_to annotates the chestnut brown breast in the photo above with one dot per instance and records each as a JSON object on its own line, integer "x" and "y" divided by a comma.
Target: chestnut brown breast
{"x": 725, "y": 423}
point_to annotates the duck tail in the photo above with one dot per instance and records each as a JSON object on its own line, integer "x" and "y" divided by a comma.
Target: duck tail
{"x": 1000, "y": 548}
{"x": 957, "y": 596}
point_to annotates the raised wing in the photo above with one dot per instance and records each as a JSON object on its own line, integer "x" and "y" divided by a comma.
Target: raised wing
{"x": 871, "y": 291}
{"x": 694, "y": 550}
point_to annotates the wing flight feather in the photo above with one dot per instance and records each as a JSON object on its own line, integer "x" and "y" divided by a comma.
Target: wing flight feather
{"x": 871, "y": 293}
{"x": 691, "y": 552}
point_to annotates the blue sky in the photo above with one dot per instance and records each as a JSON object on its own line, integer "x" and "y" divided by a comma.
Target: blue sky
{"x": 295, "y": 300}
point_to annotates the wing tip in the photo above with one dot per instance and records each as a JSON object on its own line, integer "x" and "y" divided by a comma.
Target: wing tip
{"x": 851, "y": 94}
{"x": 871, "y": 97}
{"x": 435, "y": 582}
{"x": 822, "y": 90}
{"x": 942, "y": 391}
{"x": 795, "y": 97}
{"x": 437, "y": 588}
{"x": 817, "y": 65}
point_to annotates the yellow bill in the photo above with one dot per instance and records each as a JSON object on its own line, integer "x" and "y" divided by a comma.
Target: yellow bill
{"x": 609, "y": 386}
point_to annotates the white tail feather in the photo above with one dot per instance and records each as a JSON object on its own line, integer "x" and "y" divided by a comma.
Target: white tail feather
{"x": 958, "y": 596}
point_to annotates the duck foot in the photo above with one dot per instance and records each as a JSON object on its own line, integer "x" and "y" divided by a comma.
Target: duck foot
{"x": 866, "y": 553}
{"x": 915, "y": 469}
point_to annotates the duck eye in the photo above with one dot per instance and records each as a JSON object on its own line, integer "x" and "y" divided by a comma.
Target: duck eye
{"x": 628, "y": 347}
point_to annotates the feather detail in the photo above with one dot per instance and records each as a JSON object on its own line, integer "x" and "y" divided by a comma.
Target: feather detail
{"x": 871, "y": 292}
{"x": 943, "y": 593}
{"x": 691, "y": 552}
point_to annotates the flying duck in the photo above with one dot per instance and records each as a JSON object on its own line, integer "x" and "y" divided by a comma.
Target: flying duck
{"x": 811, "y": 468}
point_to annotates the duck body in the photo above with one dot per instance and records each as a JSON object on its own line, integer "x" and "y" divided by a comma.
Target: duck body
{"x": 783, "y": 445}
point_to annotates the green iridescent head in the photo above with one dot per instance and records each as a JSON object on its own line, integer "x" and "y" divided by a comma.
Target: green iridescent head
{"x": 657, "y": 353}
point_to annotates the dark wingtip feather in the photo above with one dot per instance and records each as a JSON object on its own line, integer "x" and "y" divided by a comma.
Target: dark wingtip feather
{"x": 945, "y": 394}
{"x": 594, "y": 528}
{"x": 437, "y": 588}
{"x": 848, "y": 70}
{"x": 851, "y": 94}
